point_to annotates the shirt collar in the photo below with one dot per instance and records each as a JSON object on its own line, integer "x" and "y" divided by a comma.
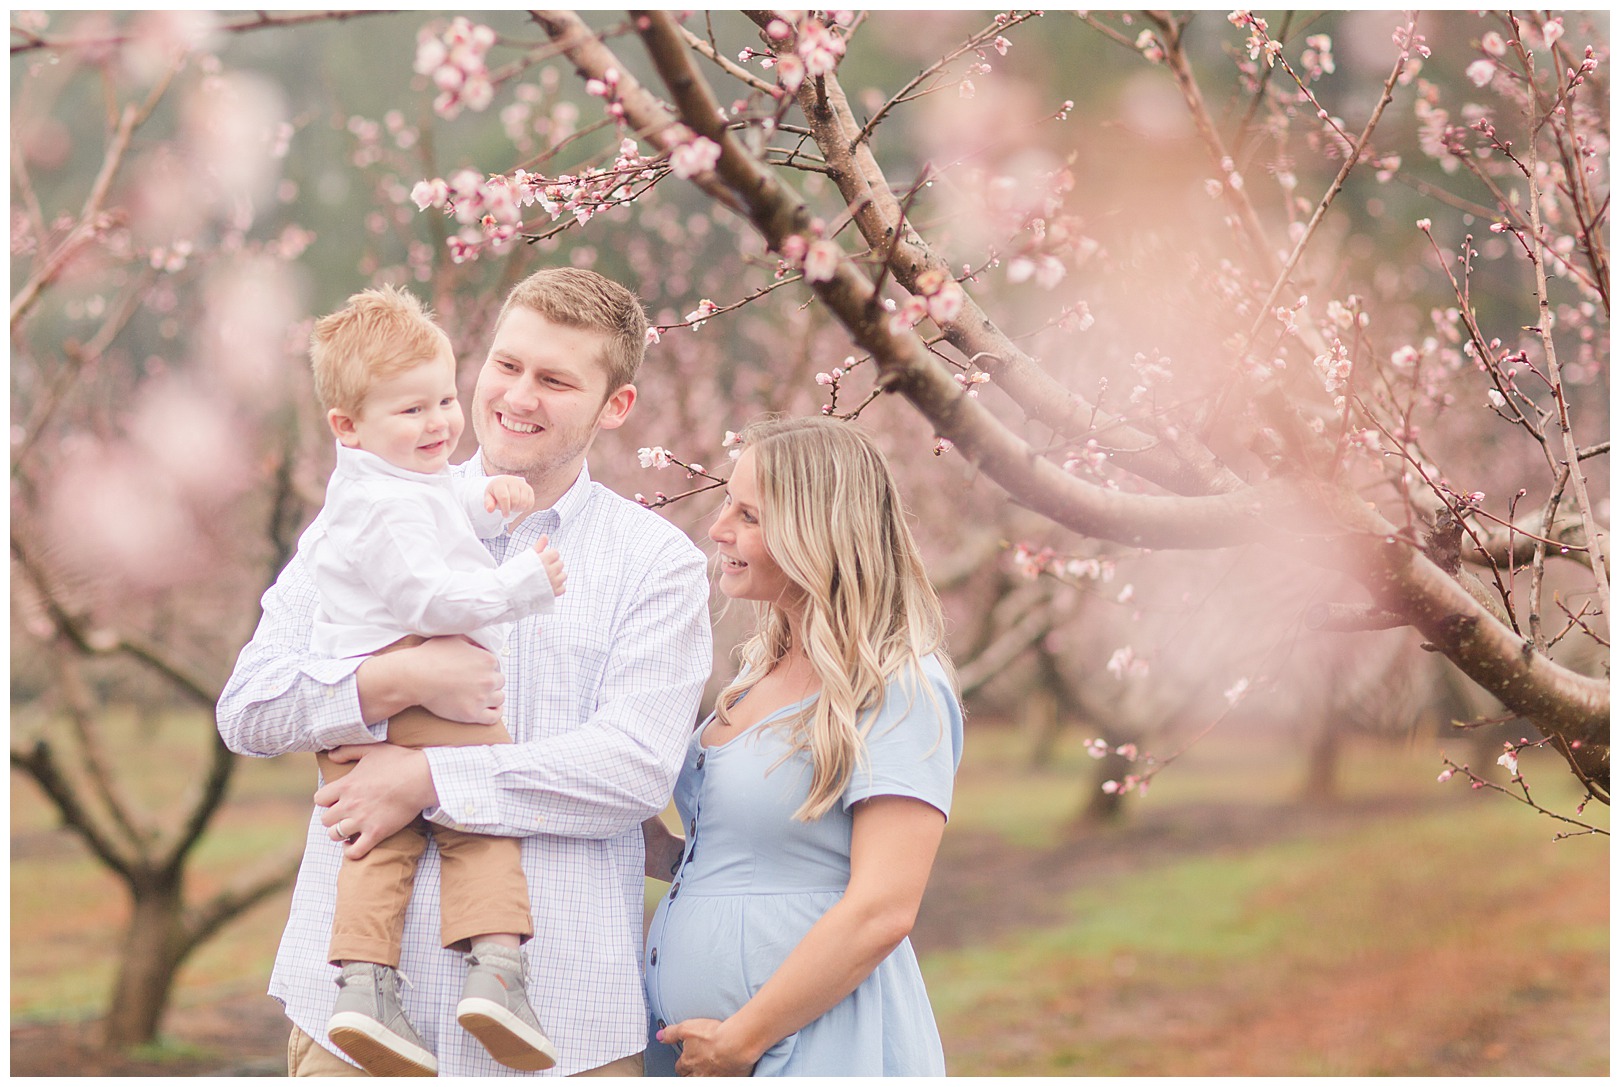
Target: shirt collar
{"x": 571, "y": 503}
{"x": 359, "y": 464}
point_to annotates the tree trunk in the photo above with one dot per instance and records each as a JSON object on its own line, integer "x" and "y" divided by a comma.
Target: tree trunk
{"x": 1103, "y": 809}
{"x": 154, "y": 946}
{"x": 1043, "y": 717}
{"x": 1322, "y": 764}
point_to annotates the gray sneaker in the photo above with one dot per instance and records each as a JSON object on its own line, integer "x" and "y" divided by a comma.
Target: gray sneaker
{"x": 494, "y": 1008}
{"x": 369, "y": 1025}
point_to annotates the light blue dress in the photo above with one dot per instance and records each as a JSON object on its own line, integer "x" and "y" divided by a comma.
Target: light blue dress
{"x": 754, "y": 880}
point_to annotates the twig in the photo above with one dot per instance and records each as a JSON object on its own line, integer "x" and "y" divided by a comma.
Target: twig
{"x": 1577, "y": 479}
{"x": 1351, "y": 160}
{"x": 31, "y": 41}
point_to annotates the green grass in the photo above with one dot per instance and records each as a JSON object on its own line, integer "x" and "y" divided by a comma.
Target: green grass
{"x": 1466, "y": 910}
{"x": 1261, "y": 928}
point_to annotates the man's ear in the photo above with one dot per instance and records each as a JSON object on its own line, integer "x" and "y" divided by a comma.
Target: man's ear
{"x": 342, "y": 425}
{"x": 617, "y": 408}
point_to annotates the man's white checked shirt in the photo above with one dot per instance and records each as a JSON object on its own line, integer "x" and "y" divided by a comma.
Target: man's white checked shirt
{"x": 601, "y": 698}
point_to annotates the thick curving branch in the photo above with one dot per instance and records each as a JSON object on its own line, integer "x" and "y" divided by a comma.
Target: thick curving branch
{"x": 1402, "y": 579}
{"x": 1178, "y": 465}
{"x": 905, "y": 366}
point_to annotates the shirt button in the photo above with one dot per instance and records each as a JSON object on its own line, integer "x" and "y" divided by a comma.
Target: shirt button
{"x": 653, "y": 958}
{"x": 702, "y": 755}
{"x": 674, "y": 890}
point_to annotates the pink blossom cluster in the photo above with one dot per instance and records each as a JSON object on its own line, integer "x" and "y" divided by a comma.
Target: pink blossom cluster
{"x": 705, "y": 310}
{"x": 693, "y": 156}
{"x": 1089, "y": 458}
{"x": 1152, "y": 372}
{"x": 1334, "y": 366}
{"x": 1317, "y": 58}
{"x": 1125, "y": 664}
{"x": 1347, "y": 314}
{"x": 1147, "y": 43}
{"x": 490, "y": 209}
{"x": 1138, "y": 782}
{"x": 1047, "y": 270}
{"x": 805, "y": 47}
{"x": 1031, "y": 562}
{"x": 1076, "y": 318}
{"x": 607, "y": 88}
{"x": 1413, "y": 43}
{"x": 172, "y": 258}
{"x": 454, "y": 59}
{"x": 1099, "y": 748}
{"x": 1260, "y": 39}
{"x": 936, "y": 296}
{"x": 1049, "y": 241}
{"x": 1437, "y": 136}
{"x": 971, "y": 381}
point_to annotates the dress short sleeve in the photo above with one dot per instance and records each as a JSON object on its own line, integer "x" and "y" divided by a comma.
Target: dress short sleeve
{"x": 915, "y": 745}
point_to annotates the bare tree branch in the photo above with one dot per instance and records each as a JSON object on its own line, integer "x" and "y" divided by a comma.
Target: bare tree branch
{"x": 1401, "y": 578}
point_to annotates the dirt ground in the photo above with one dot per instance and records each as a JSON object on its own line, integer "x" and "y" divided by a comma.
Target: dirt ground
{"x": 981, "y": 886}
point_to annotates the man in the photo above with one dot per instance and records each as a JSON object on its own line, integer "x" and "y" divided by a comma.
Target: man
{"x": 600, "y": 698}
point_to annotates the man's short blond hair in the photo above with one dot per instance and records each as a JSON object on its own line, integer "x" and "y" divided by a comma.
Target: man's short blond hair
{"x": 580, "y": 298}
{"x": 379, "y": 332}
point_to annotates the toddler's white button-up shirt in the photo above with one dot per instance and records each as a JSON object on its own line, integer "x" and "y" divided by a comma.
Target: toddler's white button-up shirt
{"x": 397, "y": 552}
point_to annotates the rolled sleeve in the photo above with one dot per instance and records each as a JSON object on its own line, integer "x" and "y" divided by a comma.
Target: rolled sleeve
{"x": 280, "y": 697}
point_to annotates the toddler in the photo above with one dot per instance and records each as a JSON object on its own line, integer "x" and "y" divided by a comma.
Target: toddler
{"x": 396, "y": 558}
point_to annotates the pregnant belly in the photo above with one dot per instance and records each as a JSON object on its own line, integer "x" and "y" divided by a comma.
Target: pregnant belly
{"x": 708, "y": 954}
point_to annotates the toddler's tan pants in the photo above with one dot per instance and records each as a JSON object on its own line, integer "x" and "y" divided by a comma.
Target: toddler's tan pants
{"x": 482, "y": 890}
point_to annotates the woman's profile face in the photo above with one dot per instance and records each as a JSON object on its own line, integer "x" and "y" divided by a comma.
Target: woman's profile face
{"x": 747, "y": 571}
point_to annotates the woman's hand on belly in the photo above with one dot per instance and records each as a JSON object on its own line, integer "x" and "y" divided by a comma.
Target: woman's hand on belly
{"x": 711, "y": 1047}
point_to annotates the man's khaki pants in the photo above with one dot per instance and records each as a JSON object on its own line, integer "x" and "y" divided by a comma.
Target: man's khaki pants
{"x": 482, "y": 890}
{"x": 307, "y": 1057}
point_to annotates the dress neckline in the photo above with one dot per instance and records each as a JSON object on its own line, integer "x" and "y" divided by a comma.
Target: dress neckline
{"x": 773, "y": 715}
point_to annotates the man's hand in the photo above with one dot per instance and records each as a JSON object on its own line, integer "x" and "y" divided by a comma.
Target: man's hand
{"x": 450, "y": 677}
{"x": 511, "y": 495}
{"x": 663, "y": 849}
{"x": 388, "y": 787}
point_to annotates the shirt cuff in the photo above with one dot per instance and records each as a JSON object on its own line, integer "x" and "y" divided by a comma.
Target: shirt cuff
{"x": 335, "y": 717}
{"x": 461, "y": 777}
{"x": 525, "y": 581}
{"x": 487, "y": 524}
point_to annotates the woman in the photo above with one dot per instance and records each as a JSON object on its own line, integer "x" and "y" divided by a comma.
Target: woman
{"x": 814, "y": 798}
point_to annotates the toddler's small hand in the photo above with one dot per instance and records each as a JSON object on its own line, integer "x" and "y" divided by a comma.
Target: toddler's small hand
{"x": 511, "y": 495}
{"x": 553, "y": 564}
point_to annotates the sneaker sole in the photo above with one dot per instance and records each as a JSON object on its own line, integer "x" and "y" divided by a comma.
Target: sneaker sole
{"x": 510, "y": 1040}
{"x": 378, "y": 1050}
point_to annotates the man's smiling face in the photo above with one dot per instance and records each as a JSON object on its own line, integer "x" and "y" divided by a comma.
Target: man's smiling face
{"x": 540, "y": 399}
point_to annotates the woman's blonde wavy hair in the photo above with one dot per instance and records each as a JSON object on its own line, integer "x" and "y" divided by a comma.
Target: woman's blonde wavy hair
{"x": 833, "y": 521}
